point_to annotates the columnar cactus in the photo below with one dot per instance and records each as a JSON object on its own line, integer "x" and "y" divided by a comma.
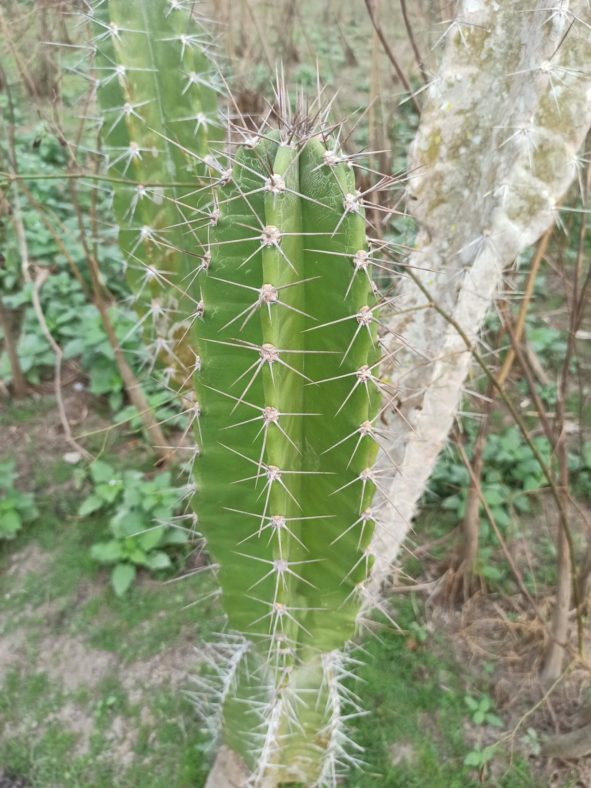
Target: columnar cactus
{"x": 251, "y": 270}
{"x": 156, "y": 89}
{"x": 289, "y": 394}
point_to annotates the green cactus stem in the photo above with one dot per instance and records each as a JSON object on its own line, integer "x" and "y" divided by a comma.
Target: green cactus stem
{"x": 156, "y": 89}
{"x": 250, "y": 273}
{"x": 288, "y": 395}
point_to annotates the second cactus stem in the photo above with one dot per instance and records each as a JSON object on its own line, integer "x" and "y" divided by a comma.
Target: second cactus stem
{"x": 288, "y": 396}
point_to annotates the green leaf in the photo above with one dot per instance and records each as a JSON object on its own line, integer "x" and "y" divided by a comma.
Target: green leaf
{"x": 493, "y": 719}
{"x": 521, "y": 503}
{"x": 501, "y": 517}
{"x": 152, "y": 538}
{"x": 493, "y": 496}
{"x": 158, "y": 560}
{"x": 175, "y": 536}
{"x": 128, "y": 522}
{"x": 7, "y": 473}
{"x": 107, "y": 552}
{"x": 490, "y": 572}
{"x": 471, "y": 703}
{"x": 122, "y": 577}
{"x": 10, "y": 523}
{"x": 531, "y": 483}
{"x": 91, "y": 504}
{"x": 109, "y": 491}
{"x": 478, "y": 758}
{"x": 453, "y": 503}
{"x": 101, "y": 472}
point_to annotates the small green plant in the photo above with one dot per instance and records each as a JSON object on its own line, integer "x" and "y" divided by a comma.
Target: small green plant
{"x": 419, "y": 631}
{"x": 144, "y": 521}
{"x": 510, "y": 474}
{"x": 16, "y": 507}
{"x": 479, "y": 758}
{"x": 481, "y": 711}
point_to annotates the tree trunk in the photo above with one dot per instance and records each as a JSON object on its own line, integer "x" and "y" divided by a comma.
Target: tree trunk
{"x": 468, "y": 557}
{"x": 554, "y": 657}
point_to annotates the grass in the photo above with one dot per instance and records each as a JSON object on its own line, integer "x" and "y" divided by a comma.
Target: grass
{"x": 415, "y": 733}
{"x": 126, "y": 720}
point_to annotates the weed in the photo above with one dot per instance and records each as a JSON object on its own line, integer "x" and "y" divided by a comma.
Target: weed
{"x": 144, "y": 520}
{"x": 16, "y": 507}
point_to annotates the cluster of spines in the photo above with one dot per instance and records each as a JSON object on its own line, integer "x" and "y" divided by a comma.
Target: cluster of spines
{"x": 217, "y": 679}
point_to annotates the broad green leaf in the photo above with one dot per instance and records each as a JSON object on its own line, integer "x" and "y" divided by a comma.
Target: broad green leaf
{"x": 107, "y": 552}
{"x": 150, "y": 539}
{"x": 10, "y": 523}
{"x": 158, "y": 560}
{"x": 101, "y": 472}
{"x": 89, "y": 505}
{"x": 122, "y": 577}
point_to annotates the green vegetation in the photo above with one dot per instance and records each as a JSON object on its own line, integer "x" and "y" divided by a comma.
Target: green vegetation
{"x": 89, "y": 679}
{"x": 146, "y": 517}
{"x": 16, "y": 507}
{"x": 109, "y": 605}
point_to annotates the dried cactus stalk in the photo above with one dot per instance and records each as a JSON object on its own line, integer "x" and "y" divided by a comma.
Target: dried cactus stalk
{"x": 497, "y": 148}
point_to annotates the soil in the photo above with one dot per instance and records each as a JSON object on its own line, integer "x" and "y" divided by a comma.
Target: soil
{"x": 12, "y": 781}
{"x": 70, "y": 663}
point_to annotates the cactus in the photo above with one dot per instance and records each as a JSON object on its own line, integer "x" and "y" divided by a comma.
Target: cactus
{"x": 156, "y": 90}
{"x": 288, "y": 396}
{"x": 254, "y": 279}
{"x": 252, "y": 270}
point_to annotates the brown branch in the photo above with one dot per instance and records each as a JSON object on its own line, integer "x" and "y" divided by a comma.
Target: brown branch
{"x": 390, "y": 54}
{"x": 413, "y": 43}
{"x": 39, "y": 281}
{"x": 529, "y": 289}
{"x": 20, "y": 387}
